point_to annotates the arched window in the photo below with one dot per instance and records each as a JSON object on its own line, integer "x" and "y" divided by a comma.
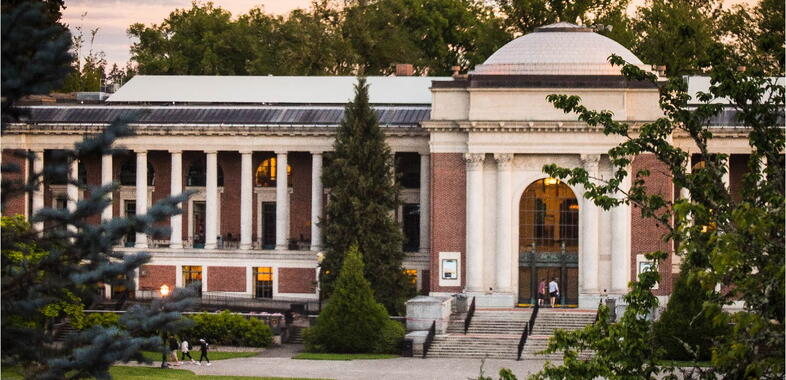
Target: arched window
{"x": 549, "y": 217}
{"x": 128, "y": 173}
{"x": 265, "y": 175}
{"x": 197, "y": 175}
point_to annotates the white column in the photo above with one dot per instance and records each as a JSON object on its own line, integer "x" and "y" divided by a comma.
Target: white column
{"x": 106, "y": 179}
{"x": 620, "y": 242}
{"x": 38, "y": 192}
{"x": 211, "y": 199}
{"x": 727, "y": 175}
{"x": 425, "y": 203}
{"x": 72, "y": 190}
{"x": 246, "y": 187}
{"x": 589, "y": 227}
{"x": 504, "y": 217}
{"x": 141, "y": 194}
{"x": 316, "y": 200}
{"x": 282, "y": 202}
{"x": 176, "y": 187}
{"x": 684, "y": 192}
{"x": 474, "y": 221}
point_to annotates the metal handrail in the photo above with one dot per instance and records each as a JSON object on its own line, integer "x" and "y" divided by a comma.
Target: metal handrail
{"x": 523, "y": 340}
{"x": 429, "y": 338}
{"x": 533, "y": 316}
{"x": 470, "y": 313}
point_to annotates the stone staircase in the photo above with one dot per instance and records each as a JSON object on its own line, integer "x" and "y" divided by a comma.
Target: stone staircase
{"x": 297, "y": 335}
{"x": 495, "y": 333}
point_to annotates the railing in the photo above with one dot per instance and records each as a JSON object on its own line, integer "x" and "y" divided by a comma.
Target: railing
{"x": 527, "y": 330}
{"x": 429, "y": 338}
{"x": 523, "y": 340}
{"x": 470, "y": 313}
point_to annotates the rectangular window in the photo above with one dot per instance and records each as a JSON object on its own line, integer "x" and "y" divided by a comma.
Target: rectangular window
{"x": 408, "y": 169}
{"x": 263, "y": 282}
{"x": 268, "y": 225}
{"x": 192, "y": 274}
{"x": 130, "y": 210}
{"x": 411, "y": 226}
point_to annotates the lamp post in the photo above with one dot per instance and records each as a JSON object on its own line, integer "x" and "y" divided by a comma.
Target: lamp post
{"x": 320, "y": 257}
{"x": 164, "y": 290}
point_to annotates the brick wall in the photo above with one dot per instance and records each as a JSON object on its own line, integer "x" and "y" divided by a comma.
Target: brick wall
{"x": 14, "y": 204}
{"x": 448, "y": 213}
{"x": 151, "y": 277}
{"x": 93, "y": 171}
{"x": 230, "y": 199}
{"x": 646, "y": 236}
{"x": 300, "y": 199}
{"x": 296, "y": 280}
{"x": 226, "y": 279}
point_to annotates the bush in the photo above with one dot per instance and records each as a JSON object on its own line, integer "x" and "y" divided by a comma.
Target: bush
{"x": 352, "y": 321}
{"x": 687, "y": 320}
{"x": 101, "y": 319}
{"x": 229, "y": 329}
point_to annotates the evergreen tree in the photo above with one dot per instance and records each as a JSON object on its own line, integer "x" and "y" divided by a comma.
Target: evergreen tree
{"x": 353, "y": 322}
{"x": 363, "y": 197}
{"x": 48, "y": 275}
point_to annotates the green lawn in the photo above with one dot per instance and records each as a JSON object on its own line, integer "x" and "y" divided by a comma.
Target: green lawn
{"x": 315, "y": 356}
{"x": 213, "y": 355}
{"x": 138, "y": 373}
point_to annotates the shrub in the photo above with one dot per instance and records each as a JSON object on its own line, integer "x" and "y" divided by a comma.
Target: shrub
{"x": 230, "y": 329}
{"x": 687, "y": 320}
{"x": 101, "y": 319}
{"x": 352, "y": 321}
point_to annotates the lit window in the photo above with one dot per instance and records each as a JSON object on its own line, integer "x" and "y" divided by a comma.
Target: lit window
{"x": 266, "y": 173}
{"x": 413, "y": 275}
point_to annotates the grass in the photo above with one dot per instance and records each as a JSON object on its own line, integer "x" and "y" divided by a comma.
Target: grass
{"x": 138, "y": 373}
{"x": 321, "y": 356}
{"x": 213, "y": 355}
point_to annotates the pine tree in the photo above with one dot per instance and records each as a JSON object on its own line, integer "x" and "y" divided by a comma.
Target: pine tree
{"x": 51, "y": 274}
{"x": 363, "y": 197}
{"x": 353, "y": 322}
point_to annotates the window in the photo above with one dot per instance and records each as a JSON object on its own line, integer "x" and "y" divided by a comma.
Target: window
{"x": 411, "y": 226}
{"x": 549, "y": 217}
{"x": 263, "y": 282}
{"x": 412, "y": 274}
{"x": 192, "y": 274}
{"x": 197, "y": 175}
{"x": 408, "y": 169}
{"x": 265, "y": 175}
{"x": 130, "y": 210}
{"x": 128, "y": 173}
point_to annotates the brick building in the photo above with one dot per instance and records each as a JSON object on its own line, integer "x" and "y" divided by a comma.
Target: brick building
{"x": 479, "y": 214}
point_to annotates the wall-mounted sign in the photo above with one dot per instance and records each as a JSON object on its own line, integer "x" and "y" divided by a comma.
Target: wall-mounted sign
{"x": 449, "y": 269}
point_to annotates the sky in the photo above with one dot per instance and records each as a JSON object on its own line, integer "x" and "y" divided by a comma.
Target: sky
{"x": 113, "y": 17}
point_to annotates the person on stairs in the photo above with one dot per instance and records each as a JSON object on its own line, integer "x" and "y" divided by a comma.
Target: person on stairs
{"x": 554, "y": 291}
{"x": 542, "y": 292}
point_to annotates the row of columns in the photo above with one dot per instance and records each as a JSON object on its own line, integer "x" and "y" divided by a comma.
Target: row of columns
{"x": 211, "y": 197}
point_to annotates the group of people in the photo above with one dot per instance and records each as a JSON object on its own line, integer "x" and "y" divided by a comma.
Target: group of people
{"x": 185, "y": 351}
{"x": 553, "y": 291}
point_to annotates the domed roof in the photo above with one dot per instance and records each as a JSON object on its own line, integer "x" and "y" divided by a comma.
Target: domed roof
{"x": 558, "y": 49}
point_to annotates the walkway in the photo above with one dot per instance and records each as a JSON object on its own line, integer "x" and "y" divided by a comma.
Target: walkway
{"x": 277, "y": 362}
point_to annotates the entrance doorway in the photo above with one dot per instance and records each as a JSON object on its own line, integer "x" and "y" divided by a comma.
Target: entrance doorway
{"x": 199, "y": 224}
{"x": 548, "y": 240}
{"x": 268, "y": 225}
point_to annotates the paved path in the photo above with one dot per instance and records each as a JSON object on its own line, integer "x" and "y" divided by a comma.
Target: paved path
{"x": 385, "y": 369}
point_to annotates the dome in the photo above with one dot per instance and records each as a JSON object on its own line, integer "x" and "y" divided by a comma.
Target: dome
{"x": 557, "y": 49}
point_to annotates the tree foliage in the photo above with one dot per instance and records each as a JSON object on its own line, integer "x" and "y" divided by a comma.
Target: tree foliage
{"x": 738, "y": 244}
{"x": 48, "y": 274}
{"x": 363, "y": 196}
{"x": 353, "y": 321}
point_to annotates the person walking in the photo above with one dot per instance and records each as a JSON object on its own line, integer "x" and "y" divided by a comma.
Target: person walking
{"x": 542, "y": 292}
{"x": 184, "y": 351}
{"x": 173, "y": 351}
{"x": 554, "y": 291}
{"x": 203, "y": 348}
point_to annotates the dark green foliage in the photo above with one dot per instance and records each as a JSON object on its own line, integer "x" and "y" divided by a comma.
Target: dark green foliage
{"x": 687, "y": 322}
{"x": 101, "y": 319}
{"x": 363, "y": 196}
{"x": 738, "y": 244}
{"x": 229, "y": 329}
{"x": 352, "y": 321}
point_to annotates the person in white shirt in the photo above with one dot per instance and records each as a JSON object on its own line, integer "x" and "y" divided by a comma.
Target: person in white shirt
{"x": 184, "y": 348}
{"x": 553, "y": 291}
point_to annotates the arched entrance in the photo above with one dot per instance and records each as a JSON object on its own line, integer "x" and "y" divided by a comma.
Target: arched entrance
{"x": 548, "y": 240}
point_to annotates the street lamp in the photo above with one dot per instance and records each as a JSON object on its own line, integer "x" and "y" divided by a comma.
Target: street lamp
{"x": 164, "y": 290}
{"x": 320, "y": 258}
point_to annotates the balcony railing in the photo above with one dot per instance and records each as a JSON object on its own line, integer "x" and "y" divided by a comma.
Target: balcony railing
{"x": 293, "y": 245}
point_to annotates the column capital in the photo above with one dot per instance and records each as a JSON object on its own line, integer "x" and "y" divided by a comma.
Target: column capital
{"x": 590, "y": 162}
{"x": 474, "y": 160}
{"x": 140, "y": 150}
{"x": 504, "y": 160}
{"x": 210, "y": 151}
{"x": 279, "y": 152}
{"x": 180, "y": 151}
{"x": 246, "y": 151}
{"x": 317, "y": 152}
{"x": 425, "y": 154}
